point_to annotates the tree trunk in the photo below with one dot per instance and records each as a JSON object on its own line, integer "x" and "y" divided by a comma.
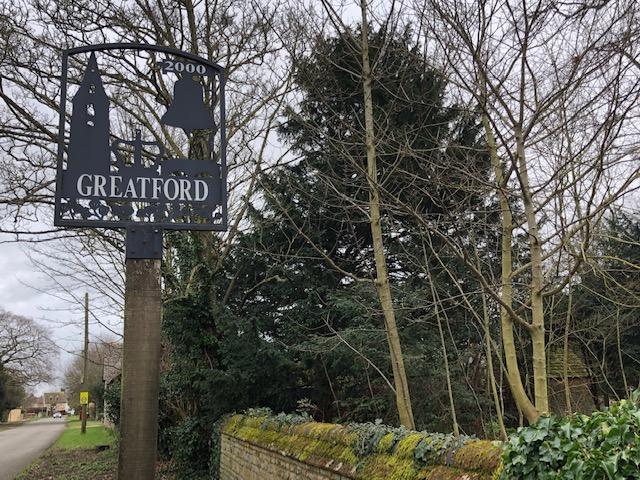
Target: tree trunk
{"x": 537, "y": 283}
{"x": 452, "y": 405}
{"x": 492, "y": 376}
{"x": 511, "y": 359}
{"x": 565, "y": 372}
{"x": 627, "y": 392}
{"x": 403, "y": 399}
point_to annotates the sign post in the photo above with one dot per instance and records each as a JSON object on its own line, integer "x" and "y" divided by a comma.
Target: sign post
{"x": 84, "y": 405}
{"x": 140, "y": 369}
{"x": 169, "y": 173}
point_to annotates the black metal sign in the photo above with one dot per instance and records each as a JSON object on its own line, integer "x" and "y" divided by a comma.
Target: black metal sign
{"x": 162, "y": 165}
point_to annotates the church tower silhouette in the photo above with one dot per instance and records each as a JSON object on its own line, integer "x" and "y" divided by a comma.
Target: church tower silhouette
{"x": 89, "y": 150}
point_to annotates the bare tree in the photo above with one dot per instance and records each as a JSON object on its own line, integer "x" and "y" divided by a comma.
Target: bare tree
{"x": 363, "y": 166}
{"x": 403, "y": 398}
{"x": 242, "y": 37}
{"x": 557, "y": 115}
{"x": 26, "y": 350}
{"x": 104, "y": 355}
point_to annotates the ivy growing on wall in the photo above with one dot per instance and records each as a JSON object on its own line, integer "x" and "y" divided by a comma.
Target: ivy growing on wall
{"x": 605, "y": 445}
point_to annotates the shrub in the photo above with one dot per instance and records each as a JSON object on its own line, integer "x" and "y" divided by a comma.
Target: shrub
{"x": 112, "y": 398}
{"x": 605, "y": 445}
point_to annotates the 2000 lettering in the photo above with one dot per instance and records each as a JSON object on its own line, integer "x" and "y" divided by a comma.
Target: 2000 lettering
{"x": 179, "y": 67}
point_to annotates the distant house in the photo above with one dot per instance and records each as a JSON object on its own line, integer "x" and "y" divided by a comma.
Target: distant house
{"x": 578, "y": 379}
{"x": 56, "y": 402}
{"x": 112, "y": 366}
{"x": 34, "y": 405}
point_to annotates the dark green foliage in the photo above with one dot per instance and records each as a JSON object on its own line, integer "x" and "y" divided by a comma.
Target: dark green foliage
{"x": 221, "y": 355}
{"x": 273, "y": 323}
{"x": 11, "y": 393}
{"x": 112, "y": 399}
{"x": 605, "y": 445}
{"x": 607, "y": 300}
{"x": 424, "y": 151}
{"x": 423, "y": 147}
{"x": 189, "y": 448}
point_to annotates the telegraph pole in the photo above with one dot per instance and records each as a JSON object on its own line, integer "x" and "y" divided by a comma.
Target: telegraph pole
{"x": 84, "y": 408}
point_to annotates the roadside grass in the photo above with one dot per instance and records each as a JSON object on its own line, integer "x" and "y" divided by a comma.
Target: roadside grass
{"x": 78, "y": 464}
{"x": 97, "y": 435}
{"x": 75, "y": 456}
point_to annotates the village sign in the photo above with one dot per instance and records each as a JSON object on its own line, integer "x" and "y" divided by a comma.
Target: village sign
{"x": 141, "y": 146}
{"x": 107, "y": 181}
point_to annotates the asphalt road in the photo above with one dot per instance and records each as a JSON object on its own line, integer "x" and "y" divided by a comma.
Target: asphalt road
{"x": 21, "y": 445}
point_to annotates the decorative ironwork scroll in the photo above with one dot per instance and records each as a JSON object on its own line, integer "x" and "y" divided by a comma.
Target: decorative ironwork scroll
{"x": 162, "y": 165}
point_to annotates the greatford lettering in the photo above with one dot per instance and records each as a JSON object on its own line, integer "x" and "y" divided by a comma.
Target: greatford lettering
{"x": 142, "y": 188}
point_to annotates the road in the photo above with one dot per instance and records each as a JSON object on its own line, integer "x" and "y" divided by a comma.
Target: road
{"x": 21, "y": 445}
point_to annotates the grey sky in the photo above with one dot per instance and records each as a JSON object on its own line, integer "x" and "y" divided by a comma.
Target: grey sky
{"x": 23, "y": 291}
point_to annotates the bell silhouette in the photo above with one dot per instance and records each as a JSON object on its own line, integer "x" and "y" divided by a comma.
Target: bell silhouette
{"x": 188, "y": 111}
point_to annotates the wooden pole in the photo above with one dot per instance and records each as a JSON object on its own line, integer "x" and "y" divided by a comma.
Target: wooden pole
{"x": 140, "y": 370}
{"x": 84, "y": 408}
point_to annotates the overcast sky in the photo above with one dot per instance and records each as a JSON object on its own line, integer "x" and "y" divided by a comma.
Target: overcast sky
{"x": 23, "y": 291}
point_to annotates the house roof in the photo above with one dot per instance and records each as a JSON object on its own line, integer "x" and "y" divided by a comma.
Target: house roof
{"x": 576, "y": 367}
{"x": 33, "y": 401}
{"x": 112, "y": 361}
{"x": 55, "y": 397}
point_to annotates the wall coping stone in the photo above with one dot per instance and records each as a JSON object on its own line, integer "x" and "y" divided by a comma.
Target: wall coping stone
{"x": 332, "y": 447}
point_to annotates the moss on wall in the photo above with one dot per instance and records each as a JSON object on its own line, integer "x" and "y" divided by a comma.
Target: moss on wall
{"x": 408, "y": 456}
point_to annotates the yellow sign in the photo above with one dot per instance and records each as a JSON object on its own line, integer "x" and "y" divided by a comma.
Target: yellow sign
{"x": 84, "y": 398}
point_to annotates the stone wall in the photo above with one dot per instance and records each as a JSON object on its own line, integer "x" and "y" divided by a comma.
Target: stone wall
{"x": 264, "y": 448}
{"x": 241, "y": 460}
{"x": 15, "y": 415}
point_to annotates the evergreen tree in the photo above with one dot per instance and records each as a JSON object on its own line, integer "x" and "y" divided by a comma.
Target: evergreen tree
{"x": 288, "y": 318}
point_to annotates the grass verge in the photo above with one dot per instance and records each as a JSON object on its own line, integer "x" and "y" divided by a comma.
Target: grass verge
{"x": 97, "y": 435}
{"x": 78, "y": 464}
{"x": 75, "y": 456}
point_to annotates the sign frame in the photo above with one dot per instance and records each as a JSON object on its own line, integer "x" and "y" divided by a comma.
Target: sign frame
{"x": 155, "y": 225}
